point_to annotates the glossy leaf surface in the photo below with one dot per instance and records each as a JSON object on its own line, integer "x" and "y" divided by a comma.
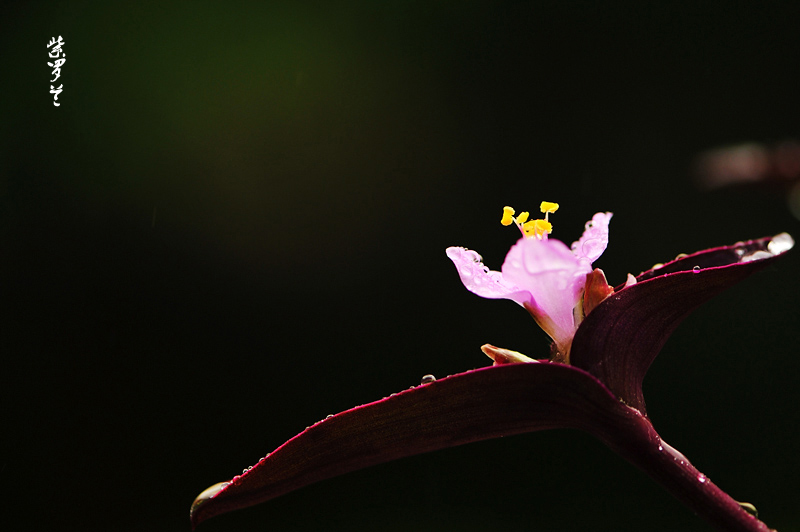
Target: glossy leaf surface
{"x": 619, "y": 340}
{"x": 476, "y": 405}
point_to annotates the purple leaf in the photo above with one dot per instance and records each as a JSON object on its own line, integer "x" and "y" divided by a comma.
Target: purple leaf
{"x": 619, "y": 340}
{"x": 476, "y": 405}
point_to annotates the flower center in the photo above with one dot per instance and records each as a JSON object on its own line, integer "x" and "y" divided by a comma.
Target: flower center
{"x": 538, "y": 228}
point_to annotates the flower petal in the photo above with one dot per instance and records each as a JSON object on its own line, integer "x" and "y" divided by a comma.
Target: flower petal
{"x": 619, "y": 340}
{"x": 554, "y": 277}
{"x": 594, "y": 240}
{"x": 479, "y": 280}
{"x": 476, "y": 405}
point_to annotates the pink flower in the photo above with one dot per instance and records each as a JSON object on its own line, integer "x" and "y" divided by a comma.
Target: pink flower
{"x": 543, "y": 275}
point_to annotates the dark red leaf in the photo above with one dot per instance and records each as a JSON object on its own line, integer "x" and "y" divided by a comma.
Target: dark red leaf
{"x": 619, "y": 340}
{"x": 476, "y": 405}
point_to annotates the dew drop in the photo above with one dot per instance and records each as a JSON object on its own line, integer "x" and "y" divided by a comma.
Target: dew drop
{"x": 592, "y": 247}
{"x": 696, "y": 269}
{"x": 660, "y": 448}
{"x": 474, "y": 256}
{"x": 244, "y": 471}
{"x": 701, "y": 478}
{"x": 392, "y": 394}
{"x": 427, "y": 379}
{"x": 329, "y": 416}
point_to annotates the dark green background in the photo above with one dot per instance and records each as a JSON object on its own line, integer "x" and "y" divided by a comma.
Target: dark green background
{"x": 235, "y": 224}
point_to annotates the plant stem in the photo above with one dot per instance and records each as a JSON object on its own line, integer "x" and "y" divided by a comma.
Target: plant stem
{"x": 641, "y": 445}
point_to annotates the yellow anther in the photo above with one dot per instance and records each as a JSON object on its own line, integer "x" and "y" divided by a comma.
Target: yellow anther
{"x": 531, "y": 228}
{"x": 548, "y": 207}
{"x": 537, "y": 228}
{"x": 508, "y": 216}
{"x": 527, "y": 228}
{"x": 542, "y": 227}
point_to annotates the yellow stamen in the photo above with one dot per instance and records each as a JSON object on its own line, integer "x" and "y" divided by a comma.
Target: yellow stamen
{"x": 508, "y": 216}
{"x": 548, "y": 207}
{"x": 537, "y": 228}
{"x": 531, "y": 228}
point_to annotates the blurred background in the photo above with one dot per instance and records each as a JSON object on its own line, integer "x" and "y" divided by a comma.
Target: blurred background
{"x": 235, "y": 222}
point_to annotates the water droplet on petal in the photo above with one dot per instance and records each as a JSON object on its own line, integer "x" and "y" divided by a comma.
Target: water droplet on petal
{"x": 474, "y": 256}
{"x": 593, "y": 247}
{"x": 701, "y": 478}
{"x": 427, "y": 379}
{"x": 660, "y": 448}
{"x": 696, "y": 269}
{"x": 329, "y": 416}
